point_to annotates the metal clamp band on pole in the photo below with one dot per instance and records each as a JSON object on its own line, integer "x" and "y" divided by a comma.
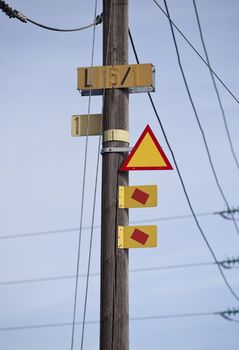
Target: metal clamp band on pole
{"x": 116, "y": 135}
{"x": 115, "y": 150}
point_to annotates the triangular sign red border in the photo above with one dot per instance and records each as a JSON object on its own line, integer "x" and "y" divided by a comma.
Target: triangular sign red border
{"x": 148, "y": 130}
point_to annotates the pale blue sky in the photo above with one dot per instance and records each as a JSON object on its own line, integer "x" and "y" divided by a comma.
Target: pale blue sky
{"x": 42, "y": 169}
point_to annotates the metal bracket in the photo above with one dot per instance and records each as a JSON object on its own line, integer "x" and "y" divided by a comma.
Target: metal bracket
{"x": 115, "y": 150}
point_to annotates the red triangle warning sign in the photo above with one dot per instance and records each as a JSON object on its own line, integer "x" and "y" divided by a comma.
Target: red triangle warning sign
{"x": 147, "y": 154}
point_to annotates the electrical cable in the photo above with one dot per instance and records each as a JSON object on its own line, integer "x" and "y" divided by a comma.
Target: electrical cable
{"x": 94, "y": 206}
{"x": 224, "y": 213}
{"x": 227, "y": 264}
{"x": 91, "y": 240}
{"x": 98, "y": 20}
{"x": 199, "y": 123}
{"x": 16, "y": 14}
{"x": 67, "y": 277}
{"x": 195, "y": 50}
{"x": 209, "y": 157}
{"x": 228, "y": 318}
{"x": 183, "y": 185}
{"x": 83, "y": 195}
{"x": 215, "y": 87}
{"x": 73, "y": 229}
{"x": 132, "y": 319}
{"x": 95, "y": 192}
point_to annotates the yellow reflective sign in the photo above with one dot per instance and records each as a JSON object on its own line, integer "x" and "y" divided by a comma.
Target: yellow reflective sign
{"x": 137, "y": 196}
{"x": 147, "y": 154}
{"x": 84, "y": 124}
{"x": 118, "y": 76}
{"x": 137, "y": 236}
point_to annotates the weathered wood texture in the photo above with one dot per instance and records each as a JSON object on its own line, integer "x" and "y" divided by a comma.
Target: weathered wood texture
{"x": 114, "y": 314}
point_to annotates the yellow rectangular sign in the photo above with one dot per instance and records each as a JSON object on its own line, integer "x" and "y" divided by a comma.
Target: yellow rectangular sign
{"x": 84, "y": 124}
{"x": 137, "y": 236}
{"x": 137, "y": 196}
{"x": 118, "y": 76}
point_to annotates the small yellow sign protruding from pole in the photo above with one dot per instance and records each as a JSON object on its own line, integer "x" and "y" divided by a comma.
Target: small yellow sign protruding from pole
{"x": 84, "y": 124}
{"x": 137, "y": 236}
{"x": 137, "y": 196}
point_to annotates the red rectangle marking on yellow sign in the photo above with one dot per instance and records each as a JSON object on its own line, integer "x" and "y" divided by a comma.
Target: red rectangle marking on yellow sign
{"x": 140, "y": 236}
{"x": 140, "y": 196}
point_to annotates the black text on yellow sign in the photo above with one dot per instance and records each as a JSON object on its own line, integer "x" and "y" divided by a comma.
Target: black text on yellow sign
{"x": 133, "y": 76}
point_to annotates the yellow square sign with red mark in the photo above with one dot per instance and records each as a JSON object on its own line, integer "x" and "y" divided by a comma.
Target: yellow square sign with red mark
{"x": 137, "y": 236}
{"x": 137, "y": 196}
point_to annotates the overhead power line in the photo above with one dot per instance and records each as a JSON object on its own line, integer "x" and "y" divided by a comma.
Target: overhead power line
{"x": 228, "y": 214}
{"x": 11, "y": 13}
{"x": 229, "y": 263}
{"x": 228, "y": 315}
{"x": 196, "y": 51}
{"x": 215, "y": 87}
{"x": 93, "y": 212}
{"x": 98, "y": 20}
{"x": 198, "y": 121}
{"x": 82, "y": 210}
{"x": 184, "y": 187}
{"x": 224, "y": 214}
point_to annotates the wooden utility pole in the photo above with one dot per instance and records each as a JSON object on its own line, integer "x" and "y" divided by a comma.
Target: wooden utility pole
{"x": 114, "y": 318}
